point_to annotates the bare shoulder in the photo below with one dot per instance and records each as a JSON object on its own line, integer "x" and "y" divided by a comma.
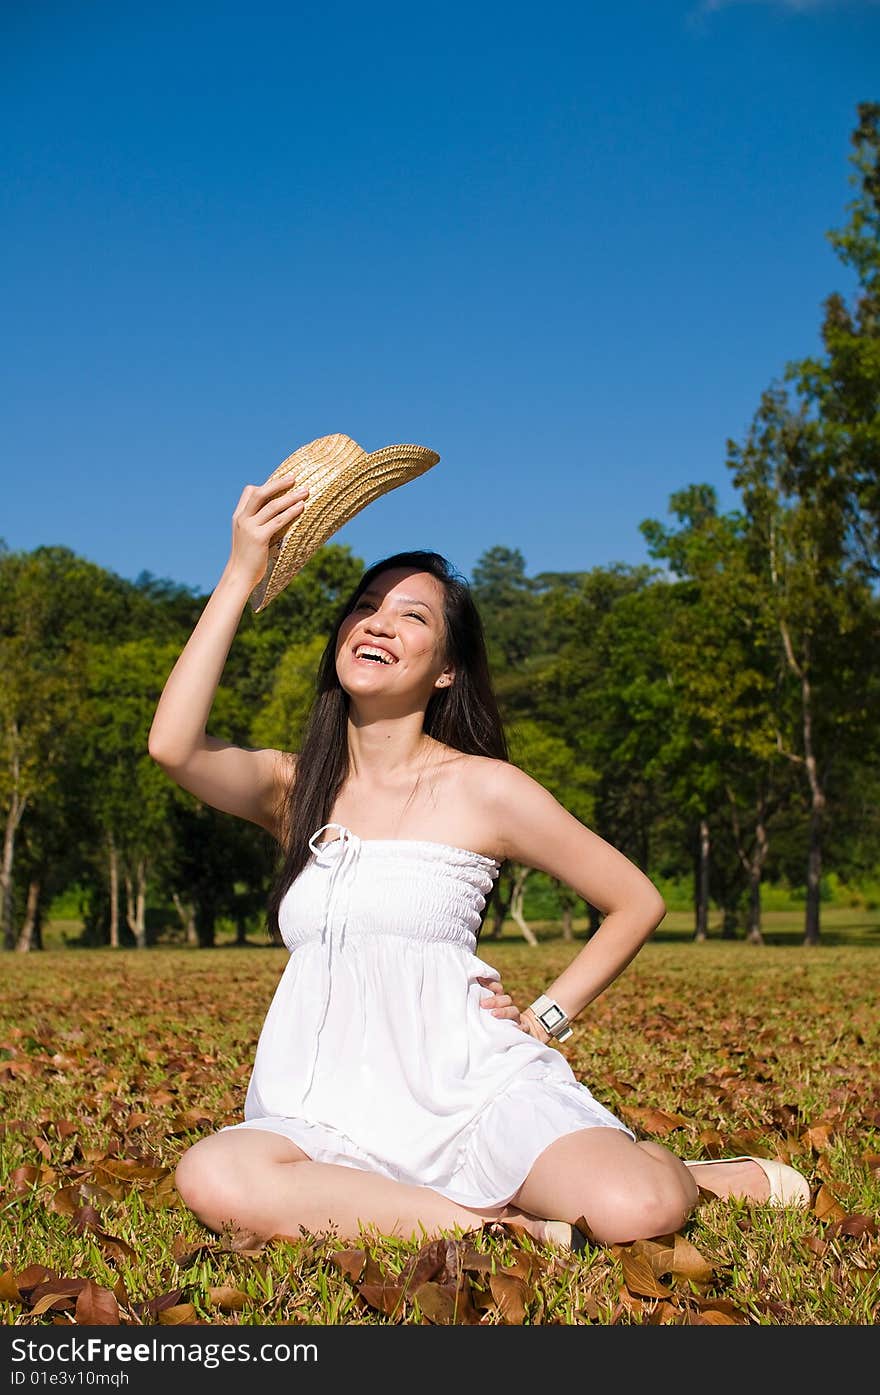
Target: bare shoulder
{"x": 479, "y": 791}
{"x": 535, "y": 829}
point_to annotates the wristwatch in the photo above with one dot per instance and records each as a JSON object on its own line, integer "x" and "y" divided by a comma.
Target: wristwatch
{"x": 552, "y": 1017}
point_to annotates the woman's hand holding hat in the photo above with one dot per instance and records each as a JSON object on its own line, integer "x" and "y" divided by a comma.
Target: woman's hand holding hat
{"x": 263, "y": 513}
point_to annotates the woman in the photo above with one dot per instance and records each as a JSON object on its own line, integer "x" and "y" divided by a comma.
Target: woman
{"x": 396, "y": 1086}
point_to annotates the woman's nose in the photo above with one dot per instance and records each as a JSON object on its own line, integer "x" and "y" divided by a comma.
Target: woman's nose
{"x": 380, "y": 623}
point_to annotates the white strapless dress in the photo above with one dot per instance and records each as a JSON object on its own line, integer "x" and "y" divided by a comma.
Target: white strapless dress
{"x": 375, "y": 1052}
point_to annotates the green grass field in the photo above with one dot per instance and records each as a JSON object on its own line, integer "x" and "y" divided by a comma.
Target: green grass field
{"x": 113, "y": 1062}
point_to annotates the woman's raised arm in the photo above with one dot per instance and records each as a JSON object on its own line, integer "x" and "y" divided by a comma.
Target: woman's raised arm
{"x": 232, "y": 778}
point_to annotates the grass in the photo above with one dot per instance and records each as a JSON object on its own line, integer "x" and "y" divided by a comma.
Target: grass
{"x": 112, "y": 1063}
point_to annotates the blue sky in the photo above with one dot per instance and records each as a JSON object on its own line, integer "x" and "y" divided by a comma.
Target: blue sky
{"x": 566, "y": 246}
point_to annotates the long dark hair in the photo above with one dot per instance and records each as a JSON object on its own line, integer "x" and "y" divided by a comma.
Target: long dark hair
{"x": 464, "y": 715}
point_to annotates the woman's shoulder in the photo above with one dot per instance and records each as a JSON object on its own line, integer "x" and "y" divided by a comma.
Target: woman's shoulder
{"x": 485, "y": 781}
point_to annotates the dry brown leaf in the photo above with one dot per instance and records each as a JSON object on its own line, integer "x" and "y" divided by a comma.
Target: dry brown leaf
{"x": 97, "y": 1307}
{"x": 127, "y": 1170}
{"x": 180, "y": 1314}
{"x": 818, "y": 1137}
{"x": 826, "y": 1206}
{"x": 639, "y": 1276}
{"x": 385, "y": 1298}
{"x": 475, "y": 1262}
{"x": 244, "y": 1242}
{"x": 438, "y": 1260}
{"x": 186, "y": 1252}
{"x": 511, "y": 1298}
{"x": 153, "y": 1306}
{"x": 665, "y": 1314}
{"x": 113, "y": 1247}
{"x": 438, "y": 1302}
{"x": 9, "y": 1290}
{"x": 28, "y": 1279}
{"x": 853, "y": 1225}
{"x": 189, "y": 1119}
{"x": 229, "y": 1300}
{"x": 721, "y": 1305}
{"x": 67, "y": 1200}
{"x": 22, "y": 1179}
{"x": 350, "y": 1262}
{"x": 688, "y": 1263}
{"x": 86, "y": 1218}
{"x": 52, "y": 1300}
{"x": 656, "y": 1121}
{"x": 714, "y": 1317}
{"x": 523, "y": 1266}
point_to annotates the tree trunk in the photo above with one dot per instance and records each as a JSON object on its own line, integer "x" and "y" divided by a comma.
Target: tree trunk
{"x": 701, "y": 926}
{"x": 113, "y": 862}
{"x": 753, "y": 926}
{"x": 17, "y": 807}
{"x": 135, "y": 903}
{"x": 567, "y": 922}
{"x": 817, "y": 810}
{"x": 27, "y": 935}
{"x": 187, "y": 919}
{"x": 817, "y": 793}
{"x": 754, "y": 935}
{"x": 814, "y": 873}
{"x": 206, "y": 922}
{"x": 516, "y": 905}
{"x": 753, "y": 861}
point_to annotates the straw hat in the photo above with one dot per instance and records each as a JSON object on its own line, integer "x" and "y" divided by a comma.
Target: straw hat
{"x": 342, "y": 479}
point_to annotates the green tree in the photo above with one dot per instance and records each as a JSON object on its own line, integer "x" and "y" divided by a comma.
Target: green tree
{"x": 842, "y": 387}
{"x": 130, "y": 796}
{"x": 819, "y": 606}
{"x": 720, "y": 654}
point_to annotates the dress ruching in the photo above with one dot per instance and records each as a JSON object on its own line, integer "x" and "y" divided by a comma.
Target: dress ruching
{"x": 375, "y": 1052}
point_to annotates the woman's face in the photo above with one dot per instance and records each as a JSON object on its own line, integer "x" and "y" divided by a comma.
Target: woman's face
{"x": 400, "y": 618}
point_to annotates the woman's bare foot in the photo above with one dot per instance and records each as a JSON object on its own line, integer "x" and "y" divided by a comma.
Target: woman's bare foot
{"x": 738, "y": 1177}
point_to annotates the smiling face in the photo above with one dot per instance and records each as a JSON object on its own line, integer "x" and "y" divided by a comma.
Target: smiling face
{"x": 399, "y": 620}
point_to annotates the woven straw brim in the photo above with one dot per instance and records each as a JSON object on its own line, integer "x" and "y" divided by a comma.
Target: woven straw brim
{"x": 342, "y": 479}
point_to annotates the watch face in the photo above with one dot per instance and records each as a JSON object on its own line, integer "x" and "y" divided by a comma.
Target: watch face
{"x": 552, "y": 1016}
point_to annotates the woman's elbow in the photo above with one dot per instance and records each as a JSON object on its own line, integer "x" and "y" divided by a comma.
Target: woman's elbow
{"x": 160, "y": 752}
{"x": 655, "y": 912}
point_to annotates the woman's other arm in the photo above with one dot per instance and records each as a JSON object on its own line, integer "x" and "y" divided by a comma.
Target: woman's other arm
{"x": 535, "y": 829}
{"x": 232, "y": 778}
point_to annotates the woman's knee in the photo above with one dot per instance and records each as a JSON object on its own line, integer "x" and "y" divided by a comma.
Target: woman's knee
{"x": 655, "y": 1206}
{"x": 212, "y": 1191}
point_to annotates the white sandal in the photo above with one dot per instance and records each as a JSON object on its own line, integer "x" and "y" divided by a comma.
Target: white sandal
{"x": 566, "y": 1235}
{"x": 787, "y": 1186}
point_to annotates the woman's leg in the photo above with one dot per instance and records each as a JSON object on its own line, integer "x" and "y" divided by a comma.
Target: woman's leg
{"x": 261, "y": 1182}
{"x": 624, "y": 1190}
